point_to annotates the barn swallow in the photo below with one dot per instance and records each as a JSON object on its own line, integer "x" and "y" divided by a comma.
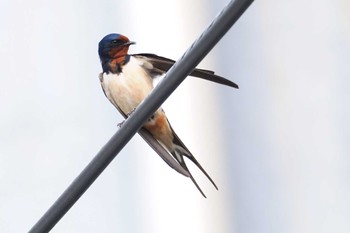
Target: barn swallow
{"x": 127, "y": 79}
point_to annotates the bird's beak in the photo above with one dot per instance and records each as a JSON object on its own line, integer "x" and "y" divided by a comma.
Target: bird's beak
{"x": 129, "y": 43}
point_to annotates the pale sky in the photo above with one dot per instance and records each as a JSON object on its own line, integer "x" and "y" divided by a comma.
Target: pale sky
{"x": 277, "y": 148}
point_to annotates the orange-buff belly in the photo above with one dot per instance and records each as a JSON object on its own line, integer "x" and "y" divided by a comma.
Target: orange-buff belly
{"x": 158, "y": 126}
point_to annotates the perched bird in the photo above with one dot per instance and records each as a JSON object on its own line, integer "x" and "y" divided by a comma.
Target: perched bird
{"x": 128, "y": 78}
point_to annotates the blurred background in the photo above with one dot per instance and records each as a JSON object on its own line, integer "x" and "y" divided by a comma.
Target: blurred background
{"x": 277, "y": 148}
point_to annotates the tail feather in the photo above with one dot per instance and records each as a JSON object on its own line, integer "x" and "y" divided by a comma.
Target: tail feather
{"x": 183, "y": 164}
{"x": 181, "y": 150}
{"x": 178, "y": 155}
{"x": 188, "y": 154}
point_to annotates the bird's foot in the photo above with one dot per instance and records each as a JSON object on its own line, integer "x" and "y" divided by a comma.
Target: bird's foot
{"x": 120, "y": 124}
{"x": 128, "y": 114}
{"x": 131, "y": 112}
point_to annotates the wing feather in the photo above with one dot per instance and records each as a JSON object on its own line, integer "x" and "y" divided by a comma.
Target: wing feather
{"x": 160, "y": 65}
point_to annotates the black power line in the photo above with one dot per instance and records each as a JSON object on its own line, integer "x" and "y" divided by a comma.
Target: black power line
{"x": 199, "y": 49}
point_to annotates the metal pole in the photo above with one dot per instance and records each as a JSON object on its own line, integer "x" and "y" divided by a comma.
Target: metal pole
{"x": 200, "y": 48}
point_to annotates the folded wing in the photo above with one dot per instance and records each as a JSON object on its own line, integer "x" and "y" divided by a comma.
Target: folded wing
{"x": 160, "y": 65}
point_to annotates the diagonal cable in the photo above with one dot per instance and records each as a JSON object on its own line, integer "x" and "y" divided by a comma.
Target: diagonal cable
{"x": 199, "y": 49}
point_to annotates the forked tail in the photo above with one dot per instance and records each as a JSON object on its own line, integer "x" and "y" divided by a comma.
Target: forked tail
{"x": 178, "y": 155}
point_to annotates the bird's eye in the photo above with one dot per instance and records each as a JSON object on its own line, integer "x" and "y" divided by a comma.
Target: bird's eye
{"x": 116, "y": 42}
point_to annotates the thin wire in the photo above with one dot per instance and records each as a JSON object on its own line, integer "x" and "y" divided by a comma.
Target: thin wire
{"x": 200, "y": 48}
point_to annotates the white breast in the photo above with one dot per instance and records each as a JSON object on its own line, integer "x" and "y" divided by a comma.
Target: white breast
{"x": 127, "y": 89}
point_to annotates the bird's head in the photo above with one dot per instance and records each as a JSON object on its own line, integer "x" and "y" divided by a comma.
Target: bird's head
{"x": 113, "y": 48}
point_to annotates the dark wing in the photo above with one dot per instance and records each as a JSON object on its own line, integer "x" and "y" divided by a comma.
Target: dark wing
{"x": 162, "y": 152}
{"x": 156, "y": 146}
{"x": 160, "y": 65}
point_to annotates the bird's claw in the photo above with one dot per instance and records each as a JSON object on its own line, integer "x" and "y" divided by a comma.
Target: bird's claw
{"x": 120, "y": 124}
{"x": 128, "y": 114}
{"x": 131, "y": 112}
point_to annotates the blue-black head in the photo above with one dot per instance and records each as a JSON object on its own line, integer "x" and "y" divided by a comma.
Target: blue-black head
{"x": 113, "y": 47}
{"x": 111, "y": 44}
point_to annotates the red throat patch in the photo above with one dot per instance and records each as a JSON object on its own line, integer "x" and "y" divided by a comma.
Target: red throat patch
{"x": 118, "y": 55}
